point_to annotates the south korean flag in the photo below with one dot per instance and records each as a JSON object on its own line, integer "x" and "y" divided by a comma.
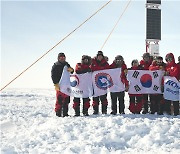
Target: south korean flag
{"x": 144, "y": 81}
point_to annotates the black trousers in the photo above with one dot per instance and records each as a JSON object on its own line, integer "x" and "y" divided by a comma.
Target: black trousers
{"x": 120, "y": 97}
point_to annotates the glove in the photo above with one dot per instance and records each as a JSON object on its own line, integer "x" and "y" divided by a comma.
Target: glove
{"x": 70, "y": 69}
{"x": 127, "y": 88}
{"x": 166, "y": 73}
{"x": 57, "y": 88}
{"x": 125, "y": 71}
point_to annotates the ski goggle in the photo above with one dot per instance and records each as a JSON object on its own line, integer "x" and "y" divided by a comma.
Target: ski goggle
{"x": 169, "y": 59}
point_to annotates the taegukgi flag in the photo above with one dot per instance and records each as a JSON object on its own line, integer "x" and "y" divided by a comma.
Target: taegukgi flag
{"x": 145, "y": 81}
{"x": 171, "y": 88}
{"x": 107, "y": 80}
{"x": 76, "y": 85}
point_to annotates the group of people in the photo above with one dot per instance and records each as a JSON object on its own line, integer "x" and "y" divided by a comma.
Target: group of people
{"x": 137, "y": 102}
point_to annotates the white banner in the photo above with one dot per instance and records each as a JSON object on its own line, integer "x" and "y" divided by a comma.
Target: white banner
{"x": 171, "y": 88}
{"x": 76, "y": 85}
{"x": 107, "y": 80}
{"x": 144, "y": 81}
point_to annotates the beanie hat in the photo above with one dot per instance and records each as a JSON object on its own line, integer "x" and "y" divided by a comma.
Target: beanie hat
{"x": 85, "y": 57}
{"x": 61, "y": 54}
{"x": 169, "y": 55}
{"x": 134, "y": 61}
{"x": 146, "y": 55}
{"x": 119, "y": 57}
{"x": 100, "y": 53}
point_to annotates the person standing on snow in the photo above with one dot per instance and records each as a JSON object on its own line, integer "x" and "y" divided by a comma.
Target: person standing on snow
{"x": 119, "y": 63}
{"x": 135, "y": 100}
{"x": 82, "y": 68}
{"x": 172, "y": 69}
{"x": 145, "y": 63}
{"x": 99, "y": 63}
{"x": 157, "y": 100}
{"x": 62, "y": 100}
{"x": 179, "y": 62}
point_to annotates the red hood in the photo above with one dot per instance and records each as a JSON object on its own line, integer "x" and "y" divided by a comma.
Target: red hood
{"x": 173, "y": 60}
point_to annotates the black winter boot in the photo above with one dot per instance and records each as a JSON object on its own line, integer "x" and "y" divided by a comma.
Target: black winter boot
{"x": 77, "y": 111}
{"x": 176, "y": 108}
{"x": 85, "y": 111}
{"x": 96, "y": 109}
{"x": 65, "y": 110}
{"x": 161, "y": 109}
{"x": 167, "y": 107}
{"x": 121, "y": 108}
{"x": 59, "y": 113}
{"x": 145, "y": 109}
{"x": 104, "y": 109}
{"x": 152, "y": 107}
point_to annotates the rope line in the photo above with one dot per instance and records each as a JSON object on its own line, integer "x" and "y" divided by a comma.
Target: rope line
{"x": 57, "y": 44}
{"x": 115, "y": 25}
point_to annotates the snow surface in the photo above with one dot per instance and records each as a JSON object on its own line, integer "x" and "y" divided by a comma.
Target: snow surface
{"x": 29, "y": 125}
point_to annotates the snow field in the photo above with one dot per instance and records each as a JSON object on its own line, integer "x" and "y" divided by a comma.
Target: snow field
{"x": 29, "y": 125}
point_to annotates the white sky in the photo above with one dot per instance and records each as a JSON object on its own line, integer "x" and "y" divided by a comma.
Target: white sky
{"x": 30, "y": 28}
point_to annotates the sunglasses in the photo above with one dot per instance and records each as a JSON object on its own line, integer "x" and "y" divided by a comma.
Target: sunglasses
{"x": 168, "y": 59}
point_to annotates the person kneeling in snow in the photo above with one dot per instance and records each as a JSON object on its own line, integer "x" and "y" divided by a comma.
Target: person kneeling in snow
{"x": 62, "y": 100}
{"x": 81, "y": 68}
{"x": 135, "y": 100}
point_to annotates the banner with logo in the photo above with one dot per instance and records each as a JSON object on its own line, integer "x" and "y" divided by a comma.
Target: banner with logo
{"x": 107, "y": 80}
{"x": 171, "y": 88}
{"x": 76, "y": 85}
{"x": 144, "y": 81}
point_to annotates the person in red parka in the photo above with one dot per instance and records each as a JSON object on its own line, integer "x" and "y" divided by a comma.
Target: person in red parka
{"x": 172, "y": 69}
{"x": 179, "y": 62}
{"x": 135, "y": 100}
{"x": 81, "y": 68}
{"x": 145, "y": 63}
{"x": 99, "y": 63}
{"x": 157, "y": 101}
{"x": 119, "y": 63}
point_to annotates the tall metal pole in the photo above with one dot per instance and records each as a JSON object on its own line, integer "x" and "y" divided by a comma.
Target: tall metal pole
{"x": 153, "y": 26}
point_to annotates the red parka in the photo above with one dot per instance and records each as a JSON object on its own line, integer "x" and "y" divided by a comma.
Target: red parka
{"x": 82, "y": 68}
{"x": 123, "y": 72}
{"x": 99, "y": 65}
{"x": 172, "y": 68}
{"x": 145, "y": 65}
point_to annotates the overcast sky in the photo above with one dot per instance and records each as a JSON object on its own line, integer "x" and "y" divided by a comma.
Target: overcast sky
{"x": 29, "y": 29}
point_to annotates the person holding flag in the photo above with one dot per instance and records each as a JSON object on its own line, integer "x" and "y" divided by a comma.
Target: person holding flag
{"x": 62, "y": 100}
{"x": 145, "y": 63}
{"x": 82, "y": 68}
{"x": 157, "y": 100}
{"x": 99, "y": 63}
{"x": 172, "y": 70}
{"x": 119, "y": 63}
{"x": 135, "y": 100}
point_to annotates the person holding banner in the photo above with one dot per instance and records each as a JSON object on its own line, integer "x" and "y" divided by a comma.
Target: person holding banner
{"x": 62, "y": 100}
{"x": 179, "y": 62}
{"x": 172, "y": 70}
{"x": 99, "y": 63}
{"x": 119, "y": 63}
{"x": 145, "y": 63}
{"x": 81, "y": 68}
{"x": 135, "y": 100}
{"x": 157, "y": 101}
